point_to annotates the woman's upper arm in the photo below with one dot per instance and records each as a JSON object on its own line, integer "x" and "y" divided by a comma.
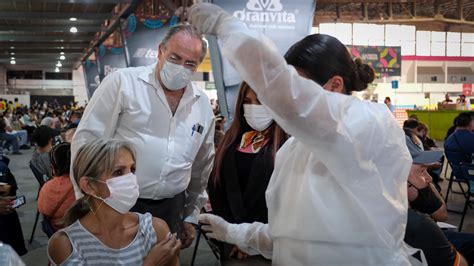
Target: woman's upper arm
{"x": 59, "y": 248}
{"x": 161, "y": 228}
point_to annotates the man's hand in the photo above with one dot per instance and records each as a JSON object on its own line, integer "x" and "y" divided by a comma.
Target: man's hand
{"x": 188, "y": 235}
{"x": 164, "y": 252}
{"x": 6, "y": 205}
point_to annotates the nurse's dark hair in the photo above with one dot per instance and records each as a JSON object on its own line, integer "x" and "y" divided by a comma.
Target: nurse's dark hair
{"x": 321, "y": 57}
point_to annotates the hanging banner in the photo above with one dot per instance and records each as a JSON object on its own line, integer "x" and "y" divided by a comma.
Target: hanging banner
{"x": 385, "y": 60}
{"x": 144, "y": 37}
{"x": 91, "y": 75}
{"x": 467, "y": 89}
{"x": 283, "y": 21}
{"x": 110, "y": 60}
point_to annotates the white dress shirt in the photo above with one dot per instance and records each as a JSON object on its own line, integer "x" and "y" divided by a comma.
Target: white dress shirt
{"x": 173, "y": 155}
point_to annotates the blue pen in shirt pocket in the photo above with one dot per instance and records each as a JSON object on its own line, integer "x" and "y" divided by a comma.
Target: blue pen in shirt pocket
{"x": 197, "y": 128}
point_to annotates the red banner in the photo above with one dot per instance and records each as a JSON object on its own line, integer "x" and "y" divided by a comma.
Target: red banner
{"x": 467, "y": 89}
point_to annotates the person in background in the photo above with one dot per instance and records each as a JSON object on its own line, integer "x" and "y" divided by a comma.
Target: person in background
{"x": 10, "y": 140}
{"x": 243, "y": 166}
{"x": 219, "y": 133}
{"x": 423, "y": 132}
{"x": 170, "y": 121}
{"x": 17, "y": 104}
{"x": 43, "y": 137}
{"x": 3, "y": 104}
{"x": 50, "y": 122}
{"x": 434, "y": 170}
{"x": 424, "y": 198}
{"x": 410, "y": 127}
{"x": 389, "y": 104}
{"x": 461, "y": 100}
{"x": 319, "y": 208}
{"x": 22, "y": 135}
{"x": 74, "y": 120}
{"x": 459, "y": 146}
{"x": 26, "y": 123}
{"x": 10, "y": 227}
{"x": 57, "y": 195}
{"x": 447, "y": 99}
{"x": 100, "y": 228}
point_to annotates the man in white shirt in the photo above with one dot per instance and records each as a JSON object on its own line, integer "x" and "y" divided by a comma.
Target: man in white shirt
{"x": 169, "y": 121}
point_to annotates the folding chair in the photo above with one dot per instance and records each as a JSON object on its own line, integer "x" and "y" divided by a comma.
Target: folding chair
{"x": 41, "y": 182}
{"x": 468, "y": 172}
{"x": 460, "y": 181}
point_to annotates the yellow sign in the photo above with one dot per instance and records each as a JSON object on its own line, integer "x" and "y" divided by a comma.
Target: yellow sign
{"x": 205, "y": 66}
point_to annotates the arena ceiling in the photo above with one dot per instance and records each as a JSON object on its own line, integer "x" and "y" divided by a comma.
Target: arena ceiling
{"x": 36, "y": 32}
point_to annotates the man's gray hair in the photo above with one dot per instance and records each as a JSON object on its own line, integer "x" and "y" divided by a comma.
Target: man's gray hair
{"x": 189, "y": 30}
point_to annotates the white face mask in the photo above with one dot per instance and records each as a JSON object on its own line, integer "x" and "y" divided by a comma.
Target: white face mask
{"x": 123, "y": 192}
{"x": 257, "y": 116}
{"x": 175, "y": 77}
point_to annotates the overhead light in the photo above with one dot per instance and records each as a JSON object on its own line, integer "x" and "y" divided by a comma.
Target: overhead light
{"x": 62, "y": 57}
{"x": 61, "y": 52}
{"x": 59, "y": 64}
{"x": 12, "y": 58}
{"x": 12, "y": 53}
{"x": 72, "y": 19}
{"x": 56, "y": 69}
{"x": 11, "y": 47}
{"x": 13, "y": 62}
{"x": 73, "y": 29}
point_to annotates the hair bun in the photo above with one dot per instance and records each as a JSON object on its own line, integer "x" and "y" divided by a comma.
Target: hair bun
{"x": 364, "y": 74}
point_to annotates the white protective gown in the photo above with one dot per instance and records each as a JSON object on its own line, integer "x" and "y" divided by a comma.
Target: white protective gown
{"x": 338, "y": 194}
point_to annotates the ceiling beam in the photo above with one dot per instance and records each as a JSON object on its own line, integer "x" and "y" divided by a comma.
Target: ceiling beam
{"x": 413, "y": 8}
{"x": 365, "y": 11}
{"x": 41, "y": 55}
{"x": 437, "y": 7}
{"x": 37, "y": 38}
{"x": 460, "y": 10}
{"x": 32, "y": 28}
{"x": 92, "y": 2}
{"x": 54, "y": 15}
{"x": 390, "y": 10}
{"x": 44, "y": 46}
{"x": 358, "y": 1}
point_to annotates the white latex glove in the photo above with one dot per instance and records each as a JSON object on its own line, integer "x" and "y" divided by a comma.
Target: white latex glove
{"x": 212, "y": 19}
{"x": 214, "y": 226}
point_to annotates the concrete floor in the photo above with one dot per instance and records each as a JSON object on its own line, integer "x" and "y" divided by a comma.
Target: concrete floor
{"x": 37, "y": 250}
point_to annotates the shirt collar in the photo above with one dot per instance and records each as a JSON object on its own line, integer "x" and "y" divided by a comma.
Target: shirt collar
{"x": 149, "y": 77}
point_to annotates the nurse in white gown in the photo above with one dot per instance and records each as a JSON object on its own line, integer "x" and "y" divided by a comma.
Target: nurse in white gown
{"x": 338, "y": 192}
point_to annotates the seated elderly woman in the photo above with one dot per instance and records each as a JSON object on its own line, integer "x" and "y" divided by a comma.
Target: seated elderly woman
{"x": 101, "y": 229}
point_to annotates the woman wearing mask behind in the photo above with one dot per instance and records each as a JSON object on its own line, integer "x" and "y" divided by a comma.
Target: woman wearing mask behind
{"x": 243, "y": 166}
{"x": 338, "y": 192}
{"x": 101, "y": 229}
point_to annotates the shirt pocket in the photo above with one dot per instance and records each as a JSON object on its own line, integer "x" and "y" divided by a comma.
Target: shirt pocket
{"x": 193, "y": 145}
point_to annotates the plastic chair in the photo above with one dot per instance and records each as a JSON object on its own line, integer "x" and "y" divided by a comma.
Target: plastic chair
{"x": 41, "y": 182}
{"x": 468, "y": 173}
